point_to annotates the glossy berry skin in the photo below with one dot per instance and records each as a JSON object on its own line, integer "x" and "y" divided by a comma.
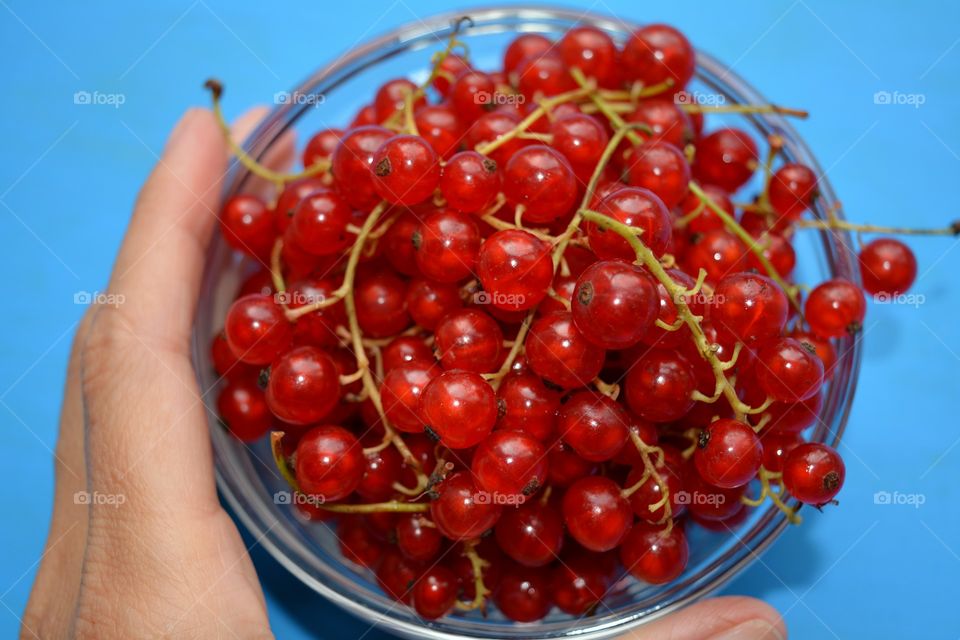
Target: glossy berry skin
{"x": 381, "y": 471}
{"x": 544, "y": 76}
{"x": 470, "y": 182}
{"x": 649, "y": 493}
{"x": 594, "y": 425}
{"x": 243, "y": 409}
{"x": 304, "y": 385}
{"x": 787, "y": 370}
{"x": 256, "y": 329}
{"x": 634, "y": 207}
{"x": 728, "y": 453}
{"x": 776, "y": 446}
{"x": 708, "y": 502}
{"x": 654, "y": 556}
{"x": 668, "y": 122}
{"x": 358, "y": 544}
{"x": 291, "y": 196}
{"x": 318, "y": 328}
{"x": 667, "y": 312}
{"x": 329, "y": 462}
{"x": 523, "y": 594}
{"x": 887, "y": 267}
{"x": 527, "y": 405}
{"x": 321, "y": 146}
{"x": 460, "y": 407}
{"x": 657, "y": 52}
{"x": 662, "y": 168}
{"x": 380, "y": 298}
{"x": 447, "y": 243}
{"x": 472, "y": 94}
{"x": 726, "y": 158}
{"x": 320, "y": 222}
{"x": 510, "y": 463}
{"x": 596, "y": 514}
{"x": 579, "y": 581}
{"x": 247, "y": 225}
{"x": 748, "y": 306}
{"x": 718, "y": 252}
{"x": 226, "y": 364}
{"x": 391, "y": 97}
{"x": 416, "y": 539}
{"x": 592, "y": 51}
{"x": 581, "y": 139}
{"x": 541, "y": 180}
{"x": 813, "y": 473}
{"x": 429, "y": 302}
{"x": 531, "y": 534}
{"x": 439, "y": 126}
{"x": 461, "y": 510}
{"x": 405, "y": 350}
{"x": 435, "y": 592}
{"x": 397, "y": 576}
{"x": 398, "y": 244}
{"x": 400, "y": 394}
{"x": 614, "y": 304}
{"x": 558, "y": 352}
{"x": 352, "y": 162}
{"x": 470, "y": 340}
{"x": 405, "y": 170}
{"x": 835, "y": 308}
{"x": 515, "y": 269}
{"x": 659, "y": 385}
{"x": 491, "y": 126}
{"x": 524, "y": 46}
{"x": 777, "y": 250}
{"x": 793, "y": 188}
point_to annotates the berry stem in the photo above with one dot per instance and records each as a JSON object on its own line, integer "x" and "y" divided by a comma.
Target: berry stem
{"x": 745, "y": 108}
{"x": 647, "y": 258}
{"x": 650, "y": 470}
{"x": 480, "y": 589}
{"x": 283, "y": 466}
{"x": 394, "y": 506}
{"x": 767, "y": 491}
{"x": 254, "y": 167}
{"x": 844, "y": 225}
{"x": 605, "y": 108}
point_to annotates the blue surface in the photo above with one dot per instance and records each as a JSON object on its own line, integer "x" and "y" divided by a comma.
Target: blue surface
{"x": 69, "y": 175}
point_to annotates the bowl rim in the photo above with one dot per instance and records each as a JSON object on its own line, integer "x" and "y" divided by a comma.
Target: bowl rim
{"x": 836, "y": 250}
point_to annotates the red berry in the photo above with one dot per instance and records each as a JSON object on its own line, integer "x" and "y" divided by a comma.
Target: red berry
{"x": 416, "y": 539}
{"x": 357, "y": 543}
{"x": 524, "y": 46}
{"x": 256, "y": 329}
{"x": 718, "y": 252}
{"x": 330, "y": 463}
{"x": 447, "y": 243}
{"x": 668, "y": 122}
{"x": 470, "y": 340}
{"x": 428, "y": 301}
{"x": 596, "y": 514}
{"x": 380, "y": 297}
{"x": 748, "y": 306}
{"x": 634, "y": 207}
{"x": 515, "y": 269}
{"x": 461, "y": 510}
{"x": 526, "y": 404}
{"x": 352, "y": 162}
{"x": 397, "y": 576}
{"x": 400, "y": 394}
{"x": 472, "y": 94}
{"x": 531, "y": 534}
{"x": 523, "y": 594}
{"x": 439, "y": 126}
{"x": 662, "y": 168}
{"x": 381, "y": 470}
{"x": 728, "y": 453}
{"x": 435, "y": 592}
{"x": 318, "y": 328}
{"x": 247, "y": 225}
{"x": 581, "y": 139}
{"x": 391, "y": 97}
{"x": 887, "y": 267}
{"x": 405, "y": 350}
{"x": 470, "y": 182}
{"x": 658, "y": 52}
{"x": 510, "y": 463}
{"x": 558, "y": 352}
{"x": 592, "y": 51}
{"x": 788, "y": 370}
{"x": 659, "y": 385}
{"x": 594, "y": 425}
{"x": 726, "y": 158}
{"x": 460, "y": 407}
{"x": 243, "y": 409}
{"x": 835, "y": 308}
{"x": 304, "y": 386}
{"x": 650, "y": 494}
{"x": 792, "y": 190}
{"x": 654, "y": 555}
{"x": 541, "y": 180}
{"x": 319, "y": 224}
{"x": 321, "y": 146}
{"x": 405, "y": 170}
{"x": 614, "y": 304}
{"x": 813, "y": 473}
{"x": 543, "y": 75}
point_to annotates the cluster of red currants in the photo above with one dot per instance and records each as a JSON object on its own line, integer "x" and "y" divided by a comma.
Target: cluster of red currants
{"x": 524, "y": 302}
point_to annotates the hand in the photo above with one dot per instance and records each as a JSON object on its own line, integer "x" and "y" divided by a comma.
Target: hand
{"x": 153, "y": 553}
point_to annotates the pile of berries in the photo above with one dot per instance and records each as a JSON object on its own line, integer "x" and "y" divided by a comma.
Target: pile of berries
{"x": 515, "y": 336}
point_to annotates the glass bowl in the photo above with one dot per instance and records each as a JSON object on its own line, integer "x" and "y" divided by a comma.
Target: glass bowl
{"x": 246, "y": 475}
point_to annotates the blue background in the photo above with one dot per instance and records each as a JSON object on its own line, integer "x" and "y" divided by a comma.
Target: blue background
{"x": 69, "y": 174}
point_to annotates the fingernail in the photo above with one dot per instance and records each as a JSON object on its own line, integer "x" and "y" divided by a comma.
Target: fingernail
{"x": 751, "y": 630}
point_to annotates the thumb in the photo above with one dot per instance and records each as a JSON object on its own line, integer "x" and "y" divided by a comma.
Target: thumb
{"x": 725, "y": 618}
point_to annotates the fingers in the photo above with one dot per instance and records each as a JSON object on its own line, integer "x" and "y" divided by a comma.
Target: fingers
{"x": 54, "y": 594}
{"x": 725, "y": 618}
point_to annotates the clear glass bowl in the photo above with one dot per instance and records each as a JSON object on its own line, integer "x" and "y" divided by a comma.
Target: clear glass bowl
{"x": 246, "y": 474}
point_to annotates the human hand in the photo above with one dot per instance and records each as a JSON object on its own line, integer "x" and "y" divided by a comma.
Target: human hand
{"x": 169, "y": 561}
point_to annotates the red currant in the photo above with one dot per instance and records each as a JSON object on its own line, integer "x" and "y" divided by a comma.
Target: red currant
{"x": 813, "y": 473}
{"x": 460, "y": 407}
{"x": 329, "y": 463}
